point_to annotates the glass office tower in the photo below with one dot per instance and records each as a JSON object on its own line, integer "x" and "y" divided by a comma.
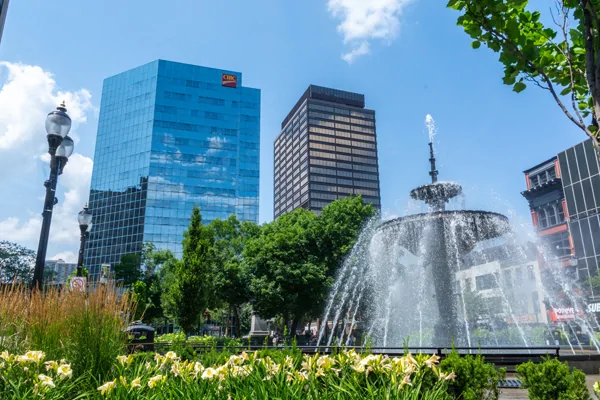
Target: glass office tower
{"x": 171, "y": 136}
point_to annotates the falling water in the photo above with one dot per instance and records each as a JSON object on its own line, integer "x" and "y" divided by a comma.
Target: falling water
{"x": 410, "y": 277}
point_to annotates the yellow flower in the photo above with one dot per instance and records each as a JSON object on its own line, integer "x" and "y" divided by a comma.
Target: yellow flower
{"x": 175, "y": 369}
{"x": 5, "y": 356}
{"x": 244, "y": 356}
{"x": 51, "y": 366}
{"x": 198, "y": 367}
{"x": 136, "y": 383}
{"x": 450, "y": 377}
{"x": 325, "y": 362}
{"x": 432, "y": 361}
{"x": 320, "y": 372}
{"x": 148, "y": 365}
{"x": 155, "y": 380}
{"x": 107, "y": 387}
{"x": 209, "y": 373}
{"x": 35, "y": 356}
{"x": 123, "y": 381}
{"x": 46, "y": 381}
{"x": 64, "y": 371}
{"x": 405, "y": 381}
{"x": 597, "y": 387}
{"x": 171, "y": 355}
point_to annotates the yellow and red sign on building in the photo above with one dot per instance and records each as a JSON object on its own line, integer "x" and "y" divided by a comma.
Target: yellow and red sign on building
{"x": 229, "y": 80}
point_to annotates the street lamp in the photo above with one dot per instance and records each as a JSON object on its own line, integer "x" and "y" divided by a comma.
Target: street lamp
{"x": 85, "y": 225}
{"x": 60, "y": 147}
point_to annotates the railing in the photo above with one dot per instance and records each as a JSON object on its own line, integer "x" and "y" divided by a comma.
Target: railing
{"x": 488, "y": 352}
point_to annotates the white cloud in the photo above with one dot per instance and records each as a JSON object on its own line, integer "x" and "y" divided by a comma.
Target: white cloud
{"x": 66, "y": 256}
{"x": 363, "y": 49}
{"x": 365, "y": 20}
{"x": 28, "y": 94}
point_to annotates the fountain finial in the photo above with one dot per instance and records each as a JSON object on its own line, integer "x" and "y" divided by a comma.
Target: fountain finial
{"x": 434, "y": 172}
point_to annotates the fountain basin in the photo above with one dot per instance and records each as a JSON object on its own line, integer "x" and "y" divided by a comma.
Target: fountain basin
{"x": 469, "y": 227}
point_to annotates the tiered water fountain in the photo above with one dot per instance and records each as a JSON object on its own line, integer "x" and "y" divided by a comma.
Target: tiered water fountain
{"x": 399, "y": 281}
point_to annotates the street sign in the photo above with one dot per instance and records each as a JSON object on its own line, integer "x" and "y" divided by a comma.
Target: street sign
{"x": 78, "y": 284}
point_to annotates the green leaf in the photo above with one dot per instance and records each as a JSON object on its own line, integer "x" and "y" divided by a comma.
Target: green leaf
{"x": 578, "y": 50}
{"x": 565, "y": 91}
{"x": 476, "y": 44}
{"x": 519, "y": 87}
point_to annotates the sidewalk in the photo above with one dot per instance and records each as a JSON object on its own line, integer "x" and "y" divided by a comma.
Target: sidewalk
{"x": 522, "y": 394}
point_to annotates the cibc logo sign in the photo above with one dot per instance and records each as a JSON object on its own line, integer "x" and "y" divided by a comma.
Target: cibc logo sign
{"x": 229, "y": 80}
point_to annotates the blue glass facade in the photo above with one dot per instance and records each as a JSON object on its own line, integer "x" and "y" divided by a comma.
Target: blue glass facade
{"x": 171, "y": 136}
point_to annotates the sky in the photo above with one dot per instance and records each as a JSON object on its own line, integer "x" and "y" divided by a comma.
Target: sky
{"x": 407, "y": 57}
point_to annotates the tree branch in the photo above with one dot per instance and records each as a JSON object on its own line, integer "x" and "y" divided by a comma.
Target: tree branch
{"x": 563, "y": 28}
{"x": 505, "y": 40}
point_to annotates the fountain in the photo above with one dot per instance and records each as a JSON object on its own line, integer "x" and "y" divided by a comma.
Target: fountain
{"x": 404, "y": 278}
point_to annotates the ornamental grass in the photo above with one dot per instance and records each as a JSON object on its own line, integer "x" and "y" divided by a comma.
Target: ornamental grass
{"x": 84, "y": 328}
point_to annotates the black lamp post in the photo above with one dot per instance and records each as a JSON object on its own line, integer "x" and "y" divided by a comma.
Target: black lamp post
{"x": 60, "y": 147}
{"x": 85, "y": 225}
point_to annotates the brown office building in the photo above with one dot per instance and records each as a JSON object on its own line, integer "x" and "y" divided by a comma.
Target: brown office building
{"x": 327, "y": 149}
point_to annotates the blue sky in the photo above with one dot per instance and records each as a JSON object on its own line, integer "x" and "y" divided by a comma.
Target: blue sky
{"x": 419, "y": 62}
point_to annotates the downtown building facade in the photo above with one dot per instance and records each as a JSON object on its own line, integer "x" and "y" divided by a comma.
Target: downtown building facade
{"x": 3, "y": 12}
{"x": 327, "y": 149}
{"x": 564, "y": 197}
{"x": 171, "y": 136}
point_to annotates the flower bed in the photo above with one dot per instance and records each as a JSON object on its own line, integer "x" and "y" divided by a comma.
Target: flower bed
{"x": 258, "y": 375}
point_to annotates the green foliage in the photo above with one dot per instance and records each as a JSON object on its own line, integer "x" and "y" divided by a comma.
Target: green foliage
{"x": 560, "y": 59}
{"x": 129, "y": 269}
{"x": 553, "y": 380}
{"x": 149, "y": 291}
{"x": 295, "y": 258}
{"x": 16, "y": 263}
{"x": 288, "y": 277}
{"x": 476, "y": 379}
{"x": 229, "y": 275}
{"x": 338, "y": 228}
{"x": 191, "y": 290}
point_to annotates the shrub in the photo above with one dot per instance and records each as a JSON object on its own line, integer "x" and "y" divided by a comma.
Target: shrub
{"x": 476, "y": 379}
{"x": 553, "y": 380}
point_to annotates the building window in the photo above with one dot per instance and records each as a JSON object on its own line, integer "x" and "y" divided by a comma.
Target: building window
{"x": 536, "y": 303}
{"x": 485, "y": 282}
{"x": 531, "y": 273}
{"x": 542, "y": 177}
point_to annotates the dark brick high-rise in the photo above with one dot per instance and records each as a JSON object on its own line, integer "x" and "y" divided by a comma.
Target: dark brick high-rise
{"x": 327, "y": 149}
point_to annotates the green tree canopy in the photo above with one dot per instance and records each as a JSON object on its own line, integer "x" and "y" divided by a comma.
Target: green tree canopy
{"x": 562, "y": 59}
{"x": 288, "y": 276}
{"x": 339, "y": 225}
{"x": 189, "y": 294}
{"x": 229, "y": 275}
{"x": 148, "y": 292}
{"x": 129, "y": 269}
{"x": 16, "y": 263}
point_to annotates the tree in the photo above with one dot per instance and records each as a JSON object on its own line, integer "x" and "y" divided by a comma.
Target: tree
{"x": 16, "y": 263}
{"x": 229, "y": 275}
{"x": 189, "y": 295}
{"x": 148, "y": 292}
{"x": 289, "y": 278}
{"x": 129, "y": 269}
{"x": 339, "y": 225}
{"x": 564, "y": 61}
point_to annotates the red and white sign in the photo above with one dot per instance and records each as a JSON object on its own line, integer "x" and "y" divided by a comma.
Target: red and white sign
{"x": 563, "y": 314}
{"x": 78, "y": 284}
{"x": 229, "y": 80}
